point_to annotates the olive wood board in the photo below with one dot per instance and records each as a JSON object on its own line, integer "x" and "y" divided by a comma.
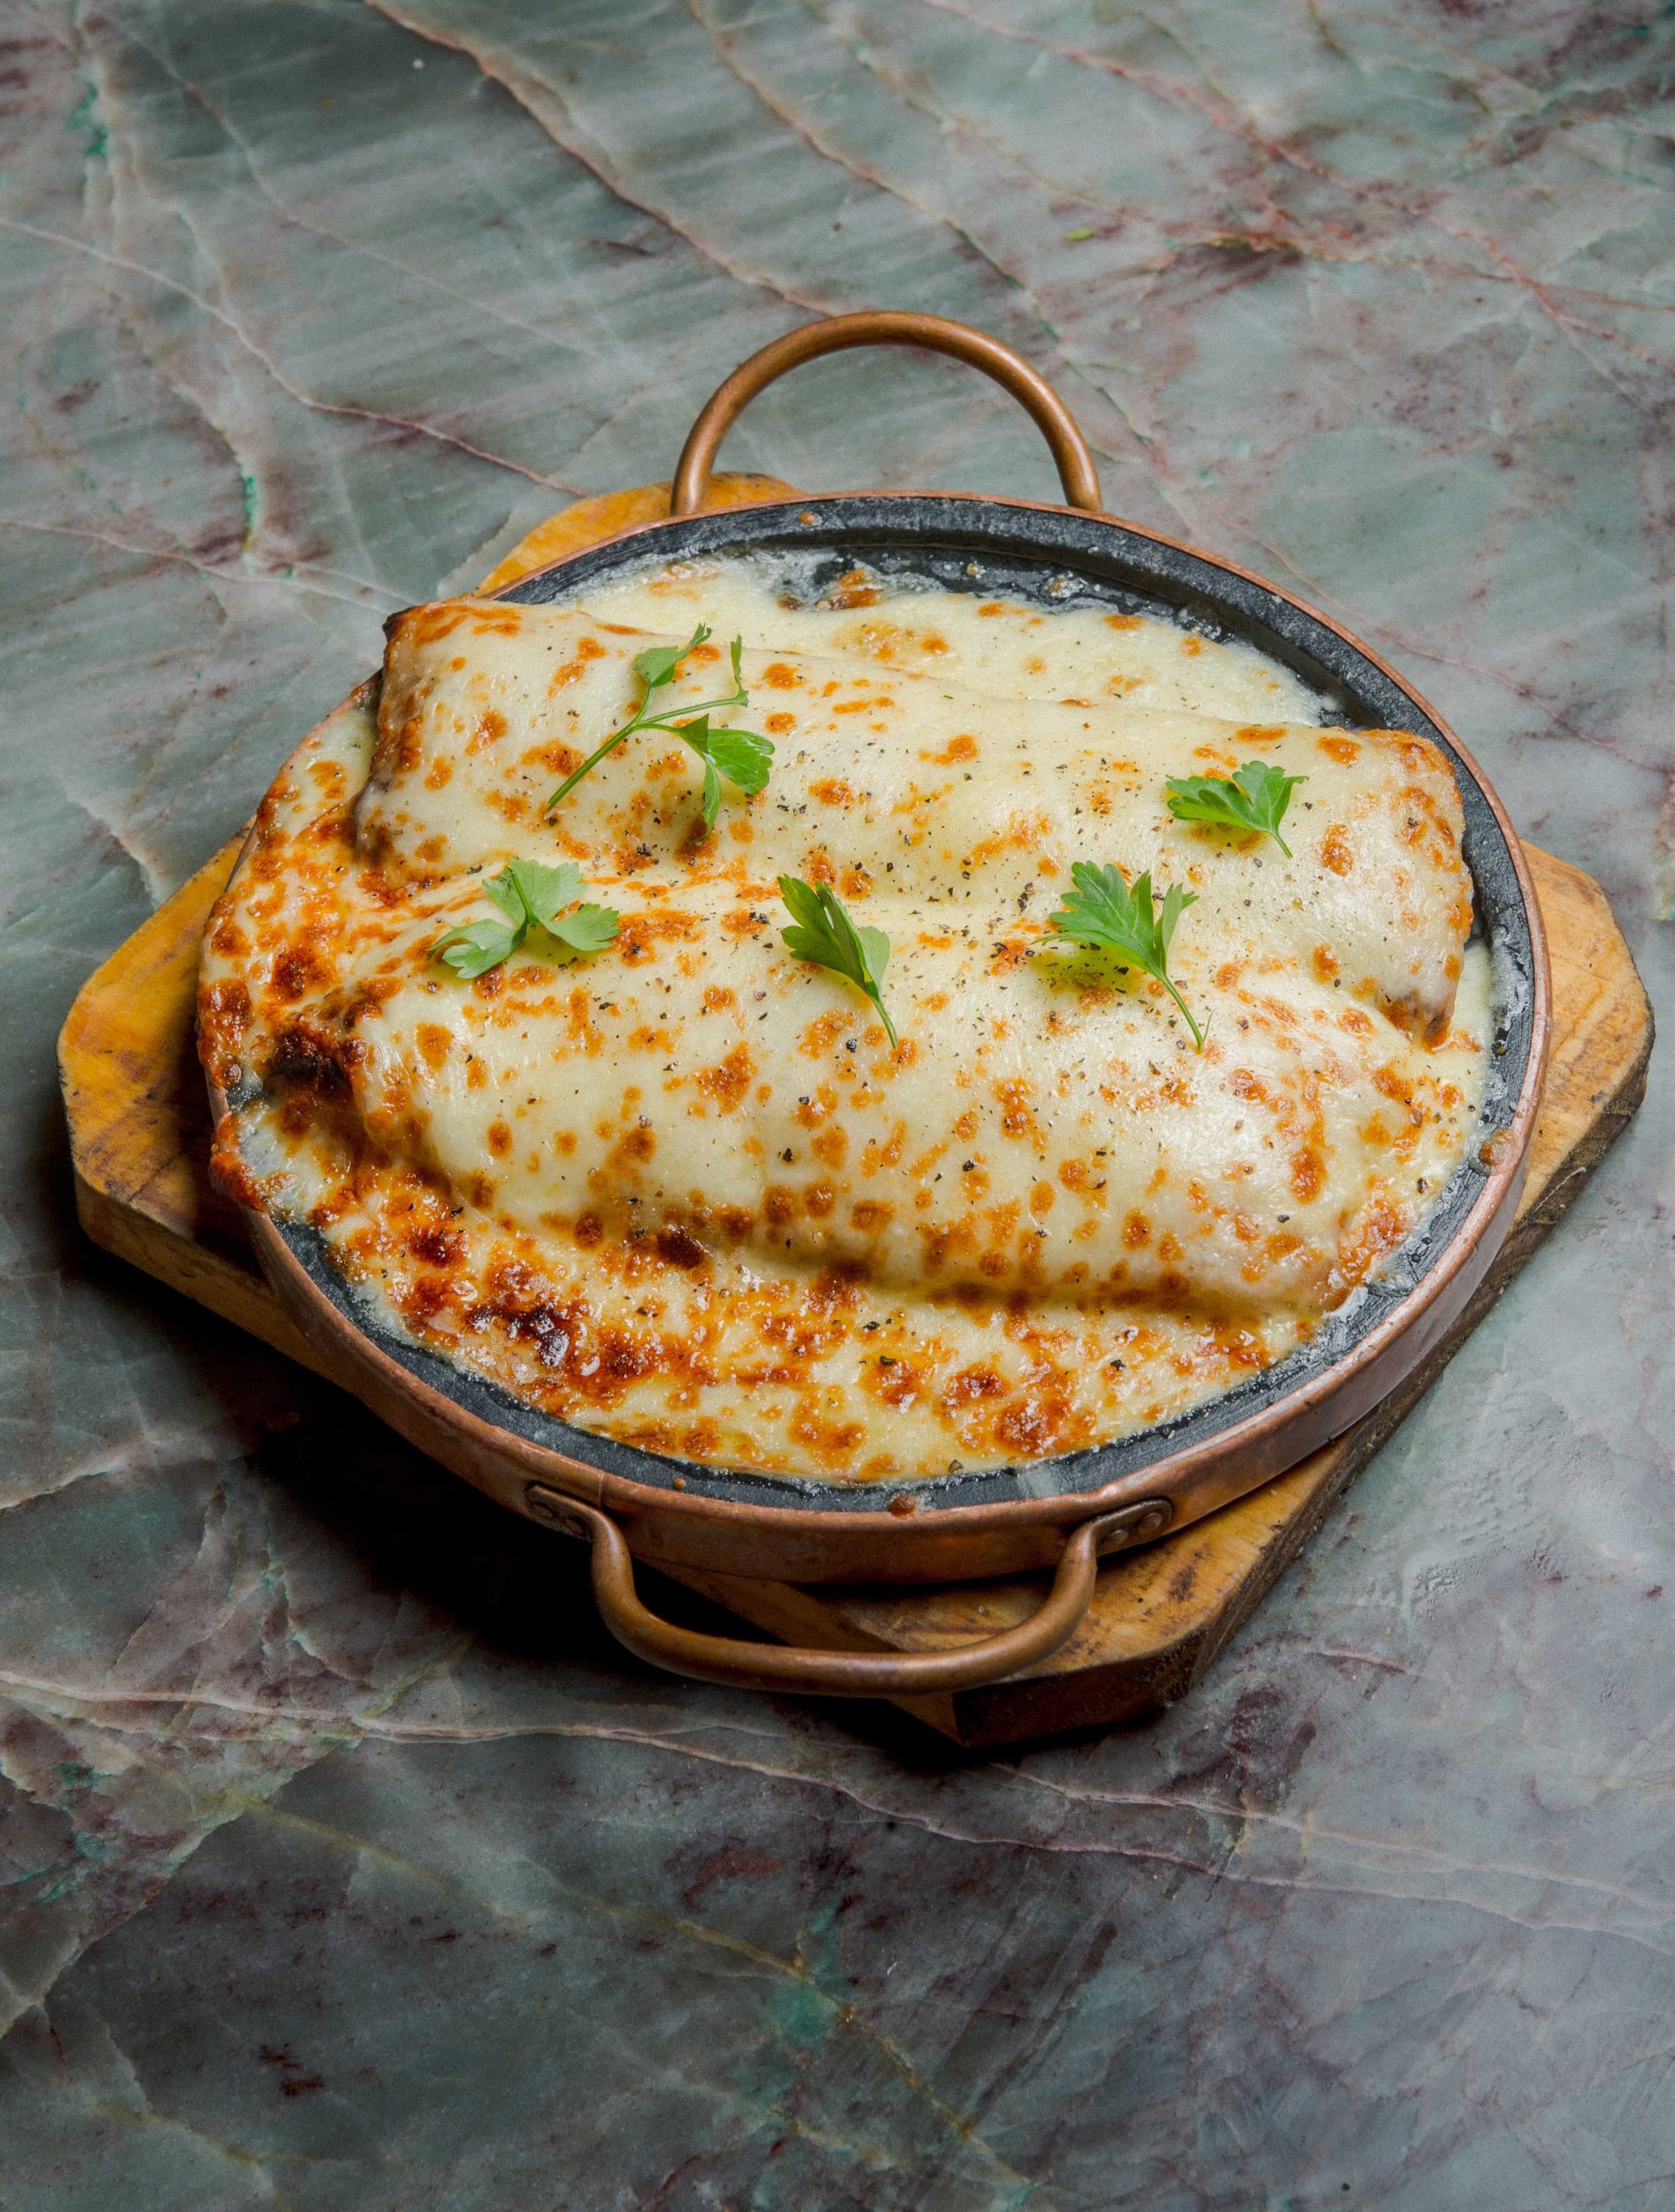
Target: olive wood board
{"x": 139, "y": 1134}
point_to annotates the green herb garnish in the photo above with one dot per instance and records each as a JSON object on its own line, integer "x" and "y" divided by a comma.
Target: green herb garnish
{"x": 740, "y": 756}
{"x": 1255, "y": 798}
{"x": 745, "y": 759}
{"x": 530, "y": 896}
{"x": 822, "y": 932}
{"x": 1103, "y": 911}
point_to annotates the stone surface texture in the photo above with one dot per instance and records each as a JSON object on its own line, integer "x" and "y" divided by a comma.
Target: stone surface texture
{"x": 343, "y": 1862}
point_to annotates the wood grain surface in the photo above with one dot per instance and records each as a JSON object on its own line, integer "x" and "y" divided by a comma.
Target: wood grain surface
{"x": 134, "y": 1096}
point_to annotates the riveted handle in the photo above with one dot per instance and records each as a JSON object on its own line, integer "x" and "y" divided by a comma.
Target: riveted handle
{"x": 1077, "y": 472}
{"x": 842, "y": 1674}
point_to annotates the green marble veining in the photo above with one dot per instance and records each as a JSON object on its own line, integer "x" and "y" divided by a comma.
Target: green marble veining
{"x": 343, "y": 1861}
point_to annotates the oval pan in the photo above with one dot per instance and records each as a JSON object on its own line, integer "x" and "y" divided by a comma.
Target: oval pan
{"x": 968, "y": 1525}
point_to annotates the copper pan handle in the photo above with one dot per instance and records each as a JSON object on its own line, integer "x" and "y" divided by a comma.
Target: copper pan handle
{"x": 841, "y": 1673}
{"x": 880, "y": 326}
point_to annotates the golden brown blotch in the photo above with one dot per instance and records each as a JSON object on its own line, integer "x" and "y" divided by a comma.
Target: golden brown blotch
{"x": 305, "y": 1058}
{"x": 831, "y": 1146}
{"x": 1381, "y": 1229}
{"x": 889, "y": 1154}
{"x": 1308, "y": 1173}
{"x": 1340, "y": 748}
{"x": 971, "y": 1386}
{"x": 297, "y": 969}
{"x": 416, "y": 627}
{"x": 1336, "y": 851}
{"x": 224, "y": 1009}
{"x": 854, "y": 589}
{"x": 818, "y": 1040}
{"x": 728, "y": 1084}
{"x": 1036, "y": 1425}
{"x": 680, "y": 1249}
{"x": 962, "y": 747}
{"x": 1136, "y": 1230}
{"x": 226, "y": 937}
{"x": 1017, "y": 1116}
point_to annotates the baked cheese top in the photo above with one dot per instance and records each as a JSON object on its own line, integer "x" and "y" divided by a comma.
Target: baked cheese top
{"x": 683, "y": 1193}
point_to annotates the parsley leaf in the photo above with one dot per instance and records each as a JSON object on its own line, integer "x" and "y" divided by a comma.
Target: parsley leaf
{"x": 588, "y": 929}
{"x": 545, "y": 891}
{"x": 657, "y": 666}
{"x": 532, "y": 888}
{"x": 1103, "y": 911}
{"x": 1256, "y": 798}
{"x": 475, "y": 947}
{"x": 739, "y": 755}
{"x": 531, "y": 896}
{"x": 744, "y": 758}
{"x": 822, "y": 932}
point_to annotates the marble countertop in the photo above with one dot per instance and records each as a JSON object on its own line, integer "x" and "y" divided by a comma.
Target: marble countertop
{"x": 343, "y": 1861}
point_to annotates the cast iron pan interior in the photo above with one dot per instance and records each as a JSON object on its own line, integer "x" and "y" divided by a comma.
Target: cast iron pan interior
{"x": 1058, "y": 559}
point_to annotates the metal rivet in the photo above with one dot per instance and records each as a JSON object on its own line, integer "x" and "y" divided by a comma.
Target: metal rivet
{"x": 556, "y": 1511}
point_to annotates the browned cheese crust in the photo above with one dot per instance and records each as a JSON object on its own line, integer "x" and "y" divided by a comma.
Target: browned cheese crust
{"x": 683, "y": 1193}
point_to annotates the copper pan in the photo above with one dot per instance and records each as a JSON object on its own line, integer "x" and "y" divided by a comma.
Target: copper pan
{"x": 1064, "y": 1513}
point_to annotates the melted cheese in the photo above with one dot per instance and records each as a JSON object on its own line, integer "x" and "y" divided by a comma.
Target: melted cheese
{"x": 682, "y": 1192}
{"x": 1082, "y": 656}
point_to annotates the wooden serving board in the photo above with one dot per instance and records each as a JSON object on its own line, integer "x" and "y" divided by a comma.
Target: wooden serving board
{"x": 139, "y": 1135}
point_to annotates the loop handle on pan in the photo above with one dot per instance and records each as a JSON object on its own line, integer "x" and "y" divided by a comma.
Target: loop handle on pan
{"x": 880, "y": 326}
{"x": 842, "y": 1674}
